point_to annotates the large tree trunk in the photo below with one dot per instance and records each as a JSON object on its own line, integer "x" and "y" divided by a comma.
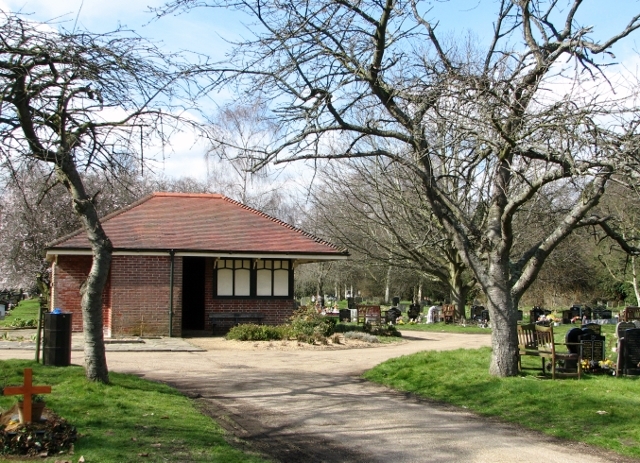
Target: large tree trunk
{"x": 635, "y": 280}
{"x": 502, "y": 313}
{"x": 94, "y": 353}
{"x": 457, "y": 289}
{"x": 387, "y": 286}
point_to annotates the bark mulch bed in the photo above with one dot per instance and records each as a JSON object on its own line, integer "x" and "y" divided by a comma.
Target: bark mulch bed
{"x": 50, "y": 436}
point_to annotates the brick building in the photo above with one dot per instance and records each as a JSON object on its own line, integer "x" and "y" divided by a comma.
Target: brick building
{"x": 180, "y": 257}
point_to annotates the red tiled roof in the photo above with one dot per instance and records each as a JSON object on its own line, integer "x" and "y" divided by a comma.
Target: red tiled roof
{"x": 199, "y": 222}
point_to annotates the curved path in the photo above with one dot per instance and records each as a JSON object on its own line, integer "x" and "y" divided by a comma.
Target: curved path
{"x": 312, "y": 405}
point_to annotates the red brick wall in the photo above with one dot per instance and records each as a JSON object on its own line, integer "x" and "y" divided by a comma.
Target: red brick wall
{"x": 69, "y": 274}
{"x": 136, "y": 298}
{"x": 276, "y": 311}
{"x": 140, "y": 295}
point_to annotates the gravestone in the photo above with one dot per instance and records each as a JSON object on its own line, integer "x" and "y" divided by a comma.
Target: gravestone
{"x": 631, "y": 352}
{"x": 414, "y": 311}
{"x": 536, "y": 312}
{"x": 392, "y": 315}
{"x": 592, "y": 345}
{"x": 476, "y": 312}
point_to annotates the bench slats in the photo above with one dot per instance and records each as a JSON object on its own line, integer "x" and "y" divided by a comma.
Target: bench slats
{"x": 538, "y": 341}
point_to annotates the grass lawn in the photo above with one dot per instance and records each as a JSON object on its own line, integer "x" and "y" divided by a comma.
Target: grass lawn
{"x": 130, "y": 420}
{"x": 599, "y": 410}
{"x": 25, "y": 310}
{"x": 559, "y": 332}
{"x": 444, "y": 327}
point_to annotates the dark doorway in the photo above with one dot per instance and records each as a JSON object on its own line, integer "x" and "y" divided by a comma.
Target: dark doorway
{"x": 193, "y": 293}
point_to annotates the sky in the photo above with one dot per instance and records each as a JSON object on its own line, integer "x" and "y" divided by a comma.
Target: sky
{"x": 206, "y": 31}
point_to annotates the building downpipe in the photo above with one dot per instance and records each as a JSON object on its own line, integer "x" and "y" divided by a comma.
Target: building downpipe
{"x": 172, "y": 254}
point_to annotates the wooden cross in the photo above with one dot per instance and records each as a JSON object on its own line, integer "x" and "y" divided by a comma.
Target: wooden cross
{"x": 27, "y": 389}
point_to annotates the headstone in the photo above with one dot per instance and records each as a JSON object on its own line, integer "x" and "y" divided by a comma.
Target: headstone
{"x": 476, "y": 312}
{"x": 621, "y": 327}
{"x": 392, "y": 315}
{"x": 631, "y": 352}
{"x": 592, "y": 345}
{"x": 433, "y": 314}
{"x": 535, "y": 313}
{"x": 414, "y": 311}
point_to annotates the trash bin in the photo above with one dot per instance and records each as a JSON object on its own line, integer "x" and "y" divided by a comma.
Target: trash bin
{"x": 345, "y": 315}
{"x": 57, "y": 339}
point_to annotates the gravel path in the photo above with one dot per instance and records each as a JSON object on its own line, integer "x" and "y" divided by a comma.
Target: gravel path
{"x": 308, "y": 405}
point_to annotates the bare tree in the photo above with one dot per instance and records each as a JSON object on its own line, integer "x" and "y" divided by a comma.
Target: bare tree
{"x": 81, "y": 102}
{"x": 505, "y": 122}
{"x": 622, "y": 204}
{"x": 34, "y": 212}
{"x": 376, "y": 208}
{"x": 235, "y": 130}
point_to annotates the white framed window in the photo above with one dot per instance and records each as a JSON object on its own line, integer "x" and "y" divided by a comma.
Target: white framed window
{"x": 233, "y": 277}
{"x": 253, "y": 278}
{"x": 272, "y": 277}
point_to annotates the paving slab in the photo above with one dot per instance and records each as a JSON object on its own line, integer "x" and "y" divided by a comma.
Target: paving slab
{"x": 22, "y": 339}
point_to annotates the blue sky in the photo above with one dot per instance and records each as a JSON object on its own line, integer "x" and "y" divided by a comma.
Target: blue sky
{"x": 204, "y": 30}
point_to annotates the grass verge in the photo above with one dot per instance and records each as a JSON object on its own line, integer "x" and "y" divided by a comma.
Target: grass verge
{"x": 599, "y": 410}
{"x": 444, "y": 328}
{"x": 130, "y": 420}
{"x": 27, "y": 309}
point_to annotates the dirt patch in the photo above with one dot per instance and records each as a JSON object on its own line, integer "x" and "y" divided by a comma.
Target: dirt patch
{"x": 218, "y": 343}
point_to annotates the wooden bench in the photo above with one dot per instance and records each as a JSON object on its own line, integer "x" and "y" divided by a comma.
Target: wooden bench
{"x": 236, "y": 317}
{"x": 537, "y": 341}
{"x": 369, "y": 313}
{"x": 528, "y": 345}
{"x": 449, "y": 313}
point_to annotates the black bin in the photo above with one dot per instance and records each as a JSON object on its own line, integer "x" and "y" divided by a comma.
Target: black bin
{"x": 57, "y": 339}
{"x": 345, "y": 315}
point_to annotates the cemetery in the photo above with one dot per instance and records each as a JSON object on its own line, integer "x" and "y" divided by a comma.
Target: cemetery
{"x": 447, "y": 273}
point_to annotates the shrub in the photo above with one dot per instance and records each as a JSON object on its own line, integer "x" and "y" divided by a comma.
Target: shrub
{"x": 306, "y": 320}
{"x": 252, "y": 332}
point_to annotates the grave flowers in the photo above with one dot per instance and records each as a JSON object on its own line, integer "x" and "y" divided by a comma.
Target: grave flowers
{"x": 605, "y": 366}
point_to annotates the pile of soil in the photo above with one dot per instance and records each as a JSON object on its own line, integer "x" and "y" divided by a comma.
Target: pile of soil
{"x": 51, "y": 435}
